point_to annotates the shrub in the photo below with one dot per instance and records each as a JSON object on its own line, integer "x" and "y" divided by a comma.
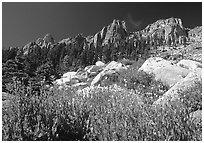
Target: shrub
{"x": 192, "y": 98}
{"x": 93, "y": 113}
{"x": 144, "y": 84}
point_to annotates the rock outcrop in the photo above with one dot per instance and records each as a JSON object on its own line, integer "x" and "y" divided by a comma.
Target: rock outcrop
{"x": 196, "y": 117}
{"x": 174, "y": 93}
{"x": 100, "y": 64}
{"x": 189, "y": 64}
{"x": 112, "y": 68}
{"x": 114, "y": 32}
{"x": 49, "y": 39}
{"x": 166, "y": 29}
{"x": 67, "y": 77}
{"x": 195, "y": 34}
{"x": 164, "y": 70}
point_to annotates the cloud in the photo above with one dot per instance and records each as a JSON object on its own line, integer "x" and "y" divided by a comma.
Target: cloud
{"x": 135, "y": 24}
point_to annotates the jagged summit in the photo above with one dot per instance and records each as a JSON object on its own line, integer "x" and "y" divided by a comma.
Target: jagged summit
{"x": 49, "y": 39}
{"x": 114, "y": 32}
{"x": 171, "y": 28}
{"x": 113, "y": 35}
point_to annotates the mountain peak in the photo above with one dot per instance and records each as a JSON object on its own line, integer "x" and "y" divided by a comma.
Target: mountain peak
{"x": 113, "y": 32}
{"x": 49, "y": 39}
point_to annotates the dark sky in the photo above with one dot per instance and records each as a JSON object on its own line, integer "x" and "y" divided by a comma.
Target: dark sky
{"x": 25, "y": 22}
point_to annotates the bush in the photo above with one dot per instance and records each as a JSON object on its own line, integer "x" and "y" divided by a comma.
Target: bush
{"x": 94, "y": 113}
{"x": 143, "y": 84}
{"x": 192, "y": 98}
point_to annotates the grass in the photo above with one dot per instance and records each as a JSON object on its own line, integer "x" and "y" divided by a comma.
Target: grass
{"x": 97, "y": 113}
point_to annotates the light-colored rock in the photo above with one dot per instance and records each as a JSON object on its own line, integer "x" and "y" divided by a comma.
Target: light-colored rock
{"x": 115, "y": 30}
{"x": 152, "y": 63}
{"x": 165, "y": 28}
{"x": 87, "y": 67}
{"x": 195, "y": 34}
{"x": 111, "y": 68}
{"x": 164, "y": 70}
{"x": 81, "y": 77}
{"x": 196, "y": 117}
{"x": 69, "y": 74}
{"x": 67, "y": 77}
{"x": 49, "y": 39}
{"x": 97, "y": 39}
{"x": 94, "y": 68}
{"x": 173, "y": 94}
{"x": 100, "y": 64}
{"x": 80, "y": 84}
{"x": 189, "y": 64}
{"x": 97, "y": 78}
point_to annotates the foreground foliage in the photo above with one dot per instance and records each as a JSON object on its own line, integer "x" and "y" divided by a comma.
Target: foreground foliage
{"x": 94, "y": 113}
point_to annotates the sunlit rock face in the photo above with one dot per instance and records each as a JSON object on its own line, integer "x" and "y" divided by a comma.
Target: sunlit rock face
{"x": 195, "y": 34}
{"x": 114, "y": 32}
{"x": 164, "y": 70}
{"x": 171, "y": 28}
{"x": 175, "y": 93}
{"x": 49, "y": 39}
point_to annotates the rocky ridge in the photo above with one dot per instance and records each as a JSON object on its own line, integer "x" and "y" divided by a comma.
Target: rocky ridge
{"x": 116, "y": 33}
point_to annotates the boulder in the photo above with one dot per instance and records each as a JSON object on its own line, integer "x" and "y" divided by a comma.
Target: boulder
{"x": 87, "y": 67}
{"x": 69, "y": 74}
{"x": 100, "y": 64}
{"x": 80, "y": 84}
{"x": 175, "y": 92}
{"x": 196, "y": 117}
{"x": 164, "y": 70}
{"x": 97, "y": 78}
{"x": 111, "y": 68}
{"x": 94, "y": 68}
{"x": 67, "y": 77}
{"x": 189, "y": 64}
{"x": 81, "y": 76}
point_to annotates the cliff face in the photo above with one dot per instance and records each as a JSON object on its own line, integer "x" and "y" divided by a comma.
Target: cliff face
{"x": 114, "y": 32}
{"x": 171, "y": 28}
{"x": 195, "y": 34}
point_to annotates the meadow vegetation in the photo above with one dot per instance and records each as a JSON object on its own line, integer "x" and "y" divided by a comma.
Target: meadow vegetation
{"x": 114, "y": 112}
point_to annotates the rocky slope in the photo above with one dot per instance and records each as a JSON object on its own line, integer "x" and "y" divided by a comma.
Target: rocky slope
{"x": 195, "y": 34}
{"x": 166, "y": 29}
